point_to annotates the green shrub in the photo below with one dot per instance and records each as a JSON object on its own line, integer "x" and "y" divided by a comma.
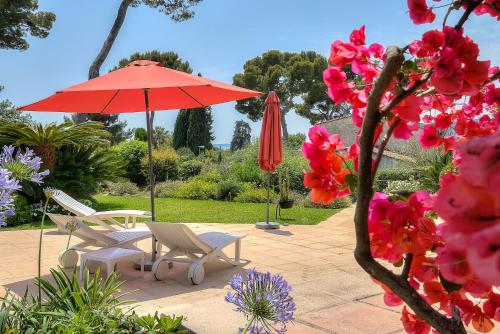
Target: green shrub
{"x": 338, "y": 203}
{"x": 228, "y": 189}
{"x": 294, "y": 164}
{"x": 393, "y": 174}
{"x": 24, "y": 212}
{"x": 185, "y": 153}
{"x": 210, "y": 174}
{"x": 197, "y": 189}
{"x": 165, "y": 165}
{"x": 121, "y": 188}
{"x": 189, "y": 168}
{"x": 295, "y": 141}
{"x": 247, "y": 171}
{"x": 141, "y": 134}
{"x": 131, "y": 152}
{"x": 398, "y": 185}
{"x": 167, "y": 188}
{"x": 252, "y": 194}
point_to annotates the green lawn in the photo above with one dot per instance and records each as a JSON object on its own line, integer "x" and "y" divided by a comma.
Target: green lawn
{"x": 208, "y": 211}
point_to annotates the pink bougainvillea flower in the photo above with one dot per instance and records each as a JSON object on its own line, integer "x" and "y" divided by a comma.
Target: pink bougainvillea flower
{"x": 492, "y": 306}
{"x": 404, "y": 130}
{"x": 481, "y": 322}
{"x": 480, "y": 163}
{"x": 342, "y": 53}
{"x": 452, "y": 260}
{"x": 489, "y": 7}
{"x": 376, "y": 50}
{"x": 475, "y": 74}
{"x": 429, "y": 137}
{"x": 432, "y": 40}
{"x": 462, "y": 205}
{"x": 443, "y": 121}
{"x": 335, "y": 79}
{"x": 409, "y": 109}
{"x": 413, "y": 324}
{"x": 448, "y": 76}
{"x": 326, "y": 179}
{"x": 434, "y": 292}
{"x": 483, "y": 255}
{"x": 358, "y": 36}
{"x": 419, "y": 12}
{"x": 358, "y": 99}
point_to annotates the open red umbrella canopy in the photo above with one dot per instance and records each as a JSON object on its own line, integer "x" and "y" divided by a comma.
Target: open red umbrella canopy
{"x": 270, "y": 146}
{"x": 122, "y": 91}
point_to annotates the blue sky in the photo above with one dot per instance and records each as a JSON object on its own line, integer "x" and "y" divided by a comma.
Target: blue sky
{"x": 217, "y": 42}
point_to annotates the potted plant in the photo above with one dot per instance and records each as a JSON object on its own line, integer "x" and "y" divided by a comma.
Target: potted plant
{"x": 284, "y": 186}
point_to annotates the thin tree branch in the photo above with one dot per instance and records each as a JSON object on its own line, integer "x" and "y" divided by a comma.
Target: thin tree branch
{"x": 407, "y": 266}
{"x": 383, "y": 144}
{"x": 471, "y": 5}
{"x": 405, "y": 93}
{"x": 108, "y": 43}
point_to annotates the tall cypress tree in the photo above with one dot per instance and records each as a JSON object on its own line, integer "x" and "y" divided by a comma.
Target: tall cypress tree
{"x": 199, "y": 132}
{"x": 179, "y": 138}
{"x": 242, "y": 135}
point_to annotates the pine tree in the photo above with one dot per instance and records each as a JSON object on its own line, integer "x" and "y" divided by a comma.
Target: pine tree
{"x": 242, "y": 135}
{"x": 199, "y": 132}
{"x": 180, "y": 129}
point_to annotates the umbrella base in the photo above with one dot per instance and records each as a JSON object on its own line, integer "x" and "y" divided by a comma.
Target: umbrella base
{"x": 267, "y": 226}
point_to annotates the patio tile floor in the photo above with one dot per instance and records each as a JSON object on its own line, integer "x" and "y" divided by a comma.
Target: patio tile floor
{"x": 332, "y": 293}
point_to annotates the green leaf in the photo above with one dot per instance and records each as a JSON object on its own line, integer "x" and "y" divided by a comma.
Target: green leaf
{"x": 448, "y": 285}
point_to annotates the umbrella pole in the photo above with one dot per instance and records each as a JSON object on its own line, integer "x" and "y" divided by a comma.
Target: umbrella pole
{"x": 149, "y": 126}
{"x": 268, "y": 196}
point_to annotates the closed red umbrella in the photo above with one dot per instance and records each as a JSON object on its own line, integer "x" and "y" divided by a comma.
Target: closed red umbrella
{"x": 270, "y": 147}
{"x": 142, "y": 86}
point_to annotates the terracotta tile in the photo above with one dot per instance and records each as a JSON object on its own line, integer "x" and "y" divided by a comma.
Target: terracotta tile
{"x": 346, "y": 319}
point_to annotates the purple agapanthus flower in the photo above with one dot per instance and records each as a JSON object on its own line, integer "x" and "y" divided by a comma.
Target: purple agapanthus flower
{"x": 7, "y": 187}
{"x": 264, "y": 299}
{"x": 13, "y": 169}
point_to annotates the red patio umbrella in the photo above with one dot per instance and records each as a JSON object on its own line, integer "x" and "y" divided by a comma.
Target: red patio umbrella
{"x": 270, "y": 147}
{"x": 142, "y": 86}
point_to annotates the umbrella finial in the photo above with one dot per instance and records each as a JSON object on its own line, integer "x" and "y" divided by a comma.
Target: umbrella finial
{"x": 272, "y": 97}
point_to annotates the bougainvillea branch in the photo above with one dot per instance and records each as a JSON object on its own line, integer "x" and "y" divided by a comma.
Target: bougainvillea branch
{"x": 438, "y": 89}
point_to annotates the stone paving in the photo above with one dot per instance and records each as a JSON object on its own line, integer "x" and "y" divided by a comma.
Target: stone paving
{"x": 333, "y": 295}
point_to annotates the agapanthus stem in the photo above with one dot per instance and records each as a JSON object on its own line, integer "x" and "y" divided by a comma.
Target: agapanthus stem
{"x": 247, "y": 326}
{"x": 69, "y": 239}
{"x": 40, "y": 251}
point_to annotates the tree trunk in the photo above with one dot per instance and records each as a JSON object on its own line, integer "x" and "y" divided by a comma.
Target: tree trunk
{"x": 108, "y": 43}
{"x": 284, "y": 127}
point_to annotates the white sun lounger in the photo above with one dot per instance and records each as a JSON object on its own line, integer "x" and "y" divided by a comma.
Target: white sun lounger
{"x": 91, "y": 215}
{"x": 196, "y": 249}
{"x": 92, "y": 239}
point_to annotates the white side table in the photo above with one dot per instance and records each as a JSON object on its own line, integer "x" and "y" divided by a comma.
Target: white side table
{"x": 111, "y": 256}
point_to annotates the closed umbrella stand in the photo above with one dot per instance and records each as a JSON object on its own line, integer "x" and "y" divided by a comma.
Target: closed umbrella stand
{"x": 270, "y": 149}
{"x": 142, "y": 86}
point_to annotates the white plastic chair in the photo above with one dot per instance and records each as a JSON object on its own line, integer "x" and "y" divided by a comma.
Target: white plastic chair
{"x": 91, "y": 215}
{"x": 195, "y": 249}
{"x": 92, "y": 238}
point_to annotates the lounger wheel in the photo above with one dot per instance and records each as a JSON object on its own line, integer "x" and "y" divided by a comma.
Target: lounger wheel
{"x": 160, "y": 269}
{"x": 196, "y": 273}
{"x": 68, "y": 258}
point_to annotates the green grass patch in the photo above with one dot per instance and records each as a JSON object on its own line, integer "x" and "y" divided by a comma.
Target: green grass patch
{"x": 31, "y": 226}
{"x": 210, "y": 211}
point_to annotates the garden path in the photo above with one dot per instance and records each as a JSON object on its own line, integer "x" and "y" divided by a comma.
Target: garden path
{"x": 333, "y": 294}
